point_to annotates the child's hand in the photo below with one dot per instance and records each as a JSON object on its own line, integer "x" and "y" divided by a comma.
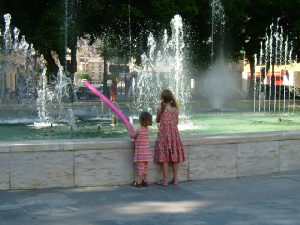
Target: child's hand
{"x": 128, "y": 128}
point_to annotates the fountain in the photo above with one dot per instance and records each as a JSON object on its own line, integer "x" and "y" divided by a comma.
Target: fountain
{"x": 47, "y": 113}
{"x": 162, "y": 69}
{"x": 275, "y": 54}
{"x": 226, "y": 136}
{"x": 216, "y": 82}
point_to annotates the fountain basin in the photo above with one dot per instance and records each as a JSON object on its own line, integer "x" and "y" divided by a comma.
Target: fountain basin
{"x": 196, "y": 118}
{"x": 93, "y": 162}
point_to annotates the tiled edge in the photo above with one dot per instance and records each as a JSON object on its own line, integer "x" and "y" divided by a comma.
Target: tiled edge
{"x": 35, "y": 146}
{"x": 103, "y": 144}
{"x": 258, "y": 137}
{"x": 4, "y": 146}
{"x": 210, "y": 140}
{"x": 289, "y": 135}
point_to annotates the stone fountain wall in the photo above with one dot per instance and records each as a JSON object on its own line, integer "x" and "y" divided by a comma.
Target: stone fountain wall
{"x": 94, "y": 162}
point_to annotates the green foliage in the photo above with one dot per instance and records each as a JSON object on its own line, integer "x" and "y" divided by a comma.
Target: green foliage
{"x": 38, "y": 20}
{"x": 109, "y": 19}
{"x": 112, "y": 76}
{"x": 84, "y": 76}
{"x": 49, "y": 74}
{"x": 197, "y": 33}
{"x": 118, "y": 69}
{"x": 43, "y": 24}
{"x": 248, "y": 21}
{"x": 50, "y": 25}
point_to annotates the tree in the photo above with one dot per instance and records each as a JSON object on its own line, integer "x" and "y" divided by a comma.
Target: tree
{"x": 44, "y": 25}
{"x": 40, "y": 22}
{"x": 126, "y": 24}
{"x": 248, "y": 21}
{"x": 84, "y": 76}
{"x": 198, "y": 28}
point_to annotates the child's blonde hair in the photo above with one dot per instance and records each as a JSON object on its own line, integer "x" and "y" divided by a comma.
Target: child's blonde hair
{"x": 145, "y": 119}
{"x": 167, "y": 96}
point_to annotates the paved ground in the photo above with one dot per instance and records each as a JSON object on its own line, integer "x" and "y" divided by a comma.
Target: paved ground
{"x": 267, "y": 199}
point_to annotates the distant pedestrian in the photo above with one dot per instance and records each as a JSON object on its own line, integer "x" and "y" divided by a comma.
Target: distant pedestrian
{"x": 112, "y": 90}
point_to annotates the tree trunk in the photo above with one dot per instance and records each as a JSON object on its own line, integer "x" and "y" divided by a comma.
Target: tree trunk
{"x": 62, "y": 59}
{"x": 273, "y": 83}
{"x": 51, "y": 63}
{"x": 73, "y": 66}
{"x": 105, "y": 89}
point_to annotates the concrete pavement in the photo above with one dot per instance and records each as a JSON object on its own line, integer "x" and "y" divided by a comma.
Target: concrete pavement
{"x": 258, "y": 200}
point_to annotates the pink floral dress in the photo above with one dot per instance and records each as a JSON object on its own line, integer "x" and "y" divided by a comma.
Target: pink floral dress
{"x": 168, "y": 145}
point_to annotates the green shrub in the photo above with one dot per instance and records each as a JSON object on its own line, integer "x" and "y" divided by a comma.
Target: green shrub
{"x": 84, "y": 76}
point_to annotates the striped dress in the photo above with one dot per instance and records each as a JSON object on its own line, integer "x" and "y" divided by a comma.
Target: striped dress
{"x": 142, "y": 147}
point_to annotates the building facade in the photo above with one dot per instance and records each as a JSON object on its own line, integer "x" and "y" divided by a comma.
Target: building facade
{"x": 89, "y": 62}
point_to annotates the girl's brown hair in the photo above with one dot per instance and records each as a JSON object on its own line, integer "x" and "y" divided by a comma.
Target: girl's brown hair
{"x": 145, "y": 119}
{"x": 167, "y": 96}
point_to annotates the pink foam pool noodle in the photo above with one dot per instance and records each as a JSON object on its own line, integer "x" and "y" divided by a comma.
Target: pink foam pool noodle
{"x": 110, "y": 104}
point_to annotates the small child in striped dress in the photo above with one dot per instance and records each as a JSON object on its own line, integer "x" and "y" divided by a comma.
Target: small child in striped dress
{"x": 142, "y": 153}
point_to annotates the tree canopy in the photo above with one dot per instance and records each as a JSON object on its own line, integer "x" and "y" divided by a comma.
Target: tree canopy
{"x": 126, "y": 24}
{"x": 84, "y": 76}
{"x": 249, "y": 21}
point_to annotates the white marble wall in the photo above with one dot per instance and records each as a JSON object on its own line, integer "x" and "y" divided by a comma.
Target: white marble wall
{"x": 212, "y": 161}
{"x": 289, "y": 155}
{"x": 71, "y": 163}
{"x": 4, "y": 171}
{"x": 257, "y": 158}
{"x": 30, "y": 170}
{"x": 108, "y": 167}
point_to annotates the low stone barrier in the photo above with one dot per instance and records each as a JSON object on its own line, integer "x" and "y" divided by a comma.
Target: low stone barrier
{"x": 94, "y": 162}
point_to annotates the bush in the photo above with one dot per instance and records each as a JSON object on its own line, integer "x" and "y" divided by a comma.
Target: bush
{"x": 84, "y": 76}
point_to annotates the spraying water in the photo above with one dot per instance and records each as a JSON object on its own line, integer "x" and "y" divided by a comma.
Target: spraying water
{"x": 162, "y": 69}
{"x": 276, "y": 71}
{"x": 216, "y": 83}
{"x": 217, "y": 22}
{"x": 30, "y": 84}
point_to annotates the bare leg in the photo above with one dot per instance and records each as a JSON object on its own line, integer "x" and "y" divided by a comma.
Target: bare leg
{"x": 146, "y": 177}
{"x": 165, "y": 170}
{"x": 140, "y": 178}
{"x": 175, "y": 170}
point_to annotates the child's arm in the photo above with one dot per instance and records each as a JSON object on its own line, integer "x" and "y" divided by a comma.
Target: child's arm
{"x": 158, "y": 115}
{"x": 134, "y": 134}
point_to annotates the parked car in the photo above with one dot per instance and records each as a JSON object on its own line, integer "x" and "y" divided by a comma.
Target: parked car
{"x": 83, "y": 91}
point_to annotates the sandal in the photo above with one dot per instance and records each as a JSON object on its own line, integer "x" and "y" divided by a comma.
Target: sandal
{"x": 136, "y": 184}
{"x": 162, "y": 182}
{"x": 144, "y": 183}
{"x": 175, "y": 181}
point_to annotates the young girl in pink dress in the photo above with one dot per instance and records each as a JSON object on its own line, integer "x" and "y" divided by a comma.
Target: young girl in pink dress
{"x": 168, "y": 145}
{"x": 142, "y": 153}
